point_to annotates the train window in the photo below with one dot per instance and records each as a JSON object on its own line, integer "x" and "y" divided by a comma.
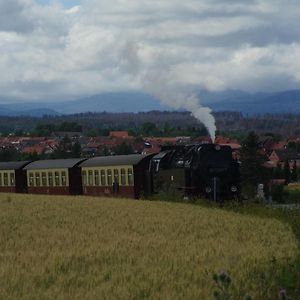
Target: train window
{"x": 84, "y": 178}
{"x": 123, "y": 177}
{"x": 103, "y": 178}
{"x": 56, "y": 178}
{"x": 50, "y": 178}
{"x": 37, "y": 179}
{"x": 63, "y": 178}
{"x": 44, "y": 179}
{"x": 109, "y": 179}
{"x": 130, "y": 176}
{"x": 96, "y": 177}
{"x": 5, "y": 179}
{"x": 116, "y": 175}
{"x": 31, "y": 179}
{"x": 0, "y": 179}
{"x": 90, "y": 178}
{"x": 12, "y": 179}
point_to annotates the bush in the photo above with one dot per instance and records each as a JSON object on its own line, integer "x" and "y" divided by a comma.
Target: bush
{"x": 248, "y": 191}
{"x": 279, "y": 194}
{"x": 294, "y": 193}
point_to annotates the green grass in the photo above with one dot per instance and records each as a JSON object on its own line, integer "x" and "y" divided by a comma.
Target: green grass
{"x": 293, "y": 191}
{"x": 89, "y": 248}
{"x": 287, "y": 274}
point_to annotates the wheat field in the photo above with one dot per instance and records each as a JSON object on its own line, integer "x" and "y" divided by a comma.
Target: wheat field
{"x": 54, "y": 247}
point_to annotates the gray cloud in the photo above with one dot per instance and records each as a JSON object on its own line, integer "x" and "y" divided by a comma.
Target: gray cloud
{"x": 13, "y": 16}
{"x": 51, "y": 52}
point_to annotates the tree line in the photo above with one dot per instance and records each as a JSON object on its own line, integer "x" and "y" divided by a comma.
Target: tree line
{"x": 100, "y": 123}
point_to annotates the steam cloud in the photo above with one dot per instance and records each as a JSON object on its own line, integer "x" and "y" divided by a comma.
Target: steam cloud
{"x": 162, "y": 85}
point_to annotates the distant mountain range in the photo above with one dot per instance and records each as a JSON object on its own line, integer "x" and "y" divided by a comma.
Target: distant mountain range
{"x": 229, "y": 100}
{"x": 259, "y": 103}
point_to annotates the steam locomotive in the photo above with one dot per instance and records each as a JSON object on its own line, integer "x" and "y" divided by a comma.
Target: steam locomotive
{"x": 208, "y": 170}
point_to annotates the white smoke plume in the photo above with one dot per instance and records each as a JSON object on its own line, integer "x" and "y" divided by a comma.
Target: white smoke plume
{"x": 162, "y": 85}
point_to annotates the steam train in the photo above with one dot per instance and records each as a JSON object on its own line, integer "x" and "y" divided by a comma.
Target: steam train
{"x": 197, "y": 170}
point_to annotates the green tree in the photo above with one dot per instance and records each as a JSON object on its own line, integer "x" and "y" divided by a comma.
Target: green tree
{"x": 105, "y": 151}
{"x": 19, "y": 132}
{"x": 31, "y": 156}
{"x": 64, "y": 149}
{"x": 91, "y": 132}
{"x": 294, "y": 174}
{"x": 76, "y": 150}
{"x": 43, "y": 130}
{"x": 167, "y": 129}
{"x": 123, "y": 149}
{"x": 9, "y": 154}
{"x": 278, "y": 172}
{"x": 287, "y": 171}
{"x": 69, "y": 127}
{"x": 252, "y": 170}
{"x": 149, "y": 129}
{"x": 292, "y": 145}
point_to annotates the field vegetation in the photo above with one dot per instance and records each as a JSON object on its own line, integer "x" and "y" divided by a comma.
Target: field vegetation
{"x": 54, "y": 247}
{"x": 293, "y": 193}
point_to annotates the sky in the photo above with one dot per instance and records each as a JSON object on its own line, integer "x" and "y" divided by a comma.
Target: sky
{"x": 64, "y": 49}
{"x": 65, "y": 3}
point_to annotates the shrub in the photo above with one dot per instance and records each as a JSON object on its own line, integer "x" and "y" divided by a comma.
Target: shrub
{"x": 279, "y": 194}
{"x": 223, "y": 284}
{"x": 248, "y": 191}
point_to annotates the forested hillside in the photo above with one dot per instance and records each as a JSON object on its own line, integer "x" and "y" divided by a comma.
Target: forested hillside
{"x": 162, "y": 123}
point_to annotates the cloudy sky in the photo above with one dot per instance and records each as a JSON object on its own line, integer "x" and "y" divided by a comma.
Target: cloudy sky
{"x": 70, "y": 48}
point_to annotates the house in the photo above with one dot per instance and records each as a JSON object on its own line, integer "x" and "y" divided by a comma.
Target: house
{"x": 38, "y": 149}
{"x": 294, "y": 139}
{"x": 267, "y": 144}
{"x": 119, "y": 134}
{"x": 69, "y": 134}
{"x": 279, "y": 157}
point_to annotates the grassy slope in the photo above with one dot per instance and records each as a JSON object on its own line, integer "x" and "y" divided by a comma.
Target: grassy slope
{"x": 75, "y": 248}
{"x": 293, "y": 191}
{"x": 286, "y": 274}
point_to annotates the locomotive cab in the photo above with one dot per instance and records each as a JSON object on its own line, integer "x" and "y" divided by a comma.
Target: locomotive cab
{"x": 167, "y": 171}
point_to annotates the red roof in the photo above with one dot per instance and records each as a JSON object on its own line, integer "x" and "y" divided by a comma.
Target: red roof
{"x": 278, "y": 145}
{"x": 295, "y": 139}
{"x": 162, "y": 140}
{"x": 120, "y": 134}
{"x": 35, "y": 149}
{"x": 222, "y": 140}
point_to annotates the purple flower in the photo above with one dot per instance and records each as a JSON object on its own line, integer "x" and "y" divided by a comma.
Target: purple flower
{"x": 224, "y": 277}
{"x": 223, "y": 274}
{"x": 282, "y": 294}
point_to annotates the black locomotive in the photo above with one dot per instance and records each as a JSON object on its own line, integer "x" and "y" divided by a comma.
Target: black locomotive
{"x": 208, "y": 170}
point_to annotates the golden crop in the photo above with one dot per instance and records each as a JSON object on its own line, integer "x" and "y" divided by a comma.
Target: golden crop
{"x": 54, "y": 247}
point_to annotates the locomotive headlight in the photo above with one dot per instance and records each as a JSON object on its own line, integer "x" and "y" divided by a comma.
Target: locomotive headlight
{"x": 234, "y": 189}
{"x": 208, "y": 189}
{"x": 218, "y": 147}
